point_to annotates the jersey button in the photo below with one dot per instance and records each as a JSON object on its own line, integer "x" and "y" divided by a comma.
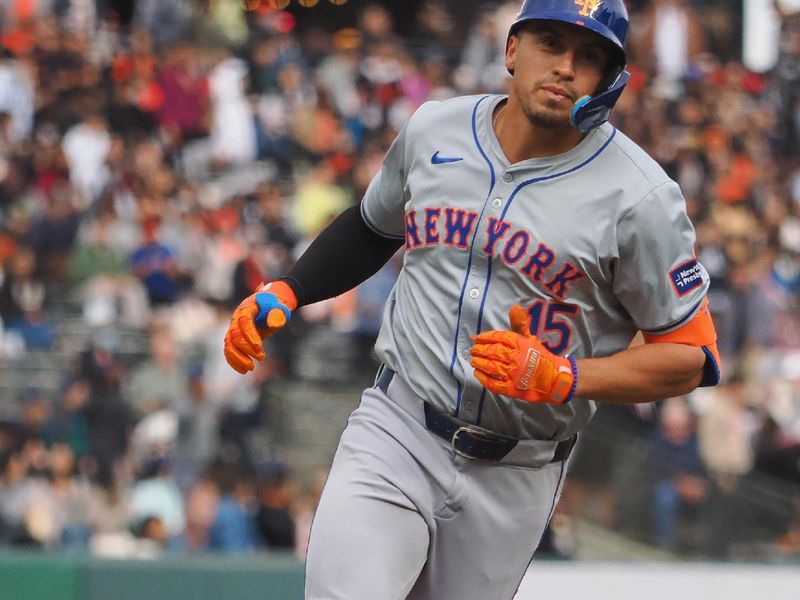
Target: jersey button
{"x": 468, "y": 404}
{"x": 474, "y": 293}
{"x": 508, "y": 177}
{"x": 466, "y": 354}
{"x": 497, "y": 203}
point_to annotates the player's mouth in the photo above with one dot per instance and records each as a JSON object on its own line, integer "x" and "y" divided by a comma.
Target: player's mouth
{"x": 556, "y": 93}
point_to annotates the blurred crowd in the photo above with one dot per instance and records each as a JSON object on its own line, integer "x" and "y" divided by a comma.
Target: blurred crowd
{"x": 152, "y": 173}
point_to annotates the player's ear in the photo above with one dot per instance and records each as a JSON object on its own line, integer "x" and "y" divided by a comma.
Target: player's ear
{"x": 511, "y": 52}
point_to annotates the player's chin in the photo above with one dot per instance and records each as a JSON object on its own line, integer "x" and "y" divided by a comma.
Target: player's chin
{"x": 547, "y": 118}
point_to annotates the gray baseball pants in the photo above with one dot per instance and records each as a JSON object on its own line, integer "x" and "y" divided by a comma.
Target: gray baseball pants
{"x": 403, "y": 516}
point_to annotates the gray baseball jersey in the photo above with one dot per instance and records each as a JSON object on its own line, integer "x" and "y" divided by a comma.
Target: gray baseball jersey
{"x": 595, "y": 243}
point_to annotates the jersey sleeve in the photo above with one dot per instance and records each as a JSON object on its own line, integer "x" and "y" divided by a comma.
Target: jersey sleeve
{"x": 383, "y": 205}
{"x": 658, "y": 279}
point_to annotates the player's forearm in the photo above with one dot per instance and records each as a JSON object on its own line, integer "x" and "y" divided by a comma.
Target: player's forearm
{"x": 345, "y": 254}
{"x": 642, "y": 374}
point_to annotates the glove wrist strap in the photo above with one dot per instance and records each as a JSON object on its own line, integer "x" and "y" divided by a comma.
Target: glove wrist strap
{"x": 281, "y": 291}
{"x": 574, "y": 366}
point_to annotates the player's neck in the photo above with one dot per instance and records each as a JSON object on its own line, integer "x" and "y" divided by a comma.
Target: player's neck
{"x": 520, "y": 139}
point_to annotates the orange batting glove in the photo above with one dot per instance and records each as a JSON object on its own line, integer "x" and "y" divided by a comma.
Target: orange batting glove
{"x": 254, "y": 320}
{"x": 516, "y": 364}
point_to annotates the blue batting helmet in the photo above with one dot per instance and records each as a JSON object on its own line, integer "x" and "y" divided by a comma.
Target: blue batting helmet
{"x": 607, "y": 18}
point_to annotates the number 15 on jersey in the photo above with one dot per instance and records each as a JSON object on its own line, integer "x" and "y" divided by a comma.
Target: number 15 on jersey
{"x": 549, "y": 323}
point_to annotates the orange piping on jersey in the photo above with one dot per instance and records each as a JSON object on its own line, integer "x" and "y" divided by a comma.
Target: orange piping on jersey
{"x": 699, "y": 332}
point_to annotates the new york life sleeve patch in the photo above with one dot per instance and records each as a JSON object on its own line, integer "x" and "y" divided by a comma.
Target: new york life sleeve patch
{"x": 687, "y": 276}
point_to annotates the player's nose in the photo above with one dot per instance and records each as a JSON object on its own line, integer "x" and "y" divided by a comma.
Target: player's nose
{"x": 564, "y": 66}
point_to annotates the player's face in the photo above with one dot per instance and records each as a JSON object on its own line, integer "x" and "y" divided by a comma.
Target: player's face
{"x": 554, "y": 64}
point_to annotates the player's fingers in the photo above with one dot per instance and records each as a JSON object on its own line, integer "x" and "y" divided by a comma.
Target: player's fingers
{"x": 238, "y": 360}
{"x": 519, "y": 320}
{"x": 485, "y": 379}
{"x": 493, "y": 351}
{"x": 507, "y": 338}
{"x": 247, "y": 328}
{"x": 244, "y": 340}
{"x": 248, "y": 308}
{"x": 492, "y": 368}
{"x": 490, "y": 383}
{"x": 276, "y": 318}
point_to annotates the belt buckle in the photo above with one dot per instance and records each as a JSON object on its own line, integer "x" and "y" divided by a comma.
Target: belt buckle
{"x": 471, "y": 431}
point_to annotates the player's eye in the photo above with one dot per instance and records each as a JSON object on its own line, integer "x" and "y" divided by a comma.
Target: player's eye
{"x": 548, "y": 41}
{"x": 591, "y": 56}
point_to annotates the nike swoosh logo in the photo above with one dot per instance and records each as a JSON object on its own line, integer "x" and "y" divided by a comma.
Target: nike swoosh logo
{"x": 440, "y": 160}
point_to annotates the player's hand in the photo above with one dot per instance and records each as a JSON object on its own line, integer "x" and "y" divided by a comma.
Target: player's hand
{"x": 254, "y": 320}
{"x": 514, "y": 363}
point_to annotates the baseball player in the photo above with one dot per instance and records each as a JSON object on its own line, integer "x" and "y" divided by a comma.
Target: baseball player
{"x": 538, "y": 240}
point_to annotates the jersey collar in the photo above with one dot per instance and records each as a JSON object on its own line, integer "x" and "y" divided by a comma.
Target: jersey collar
{"x": 588, "y": 146}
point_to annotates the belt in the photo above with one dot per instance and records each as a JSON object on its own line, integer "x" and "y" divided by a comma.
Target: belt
{"x": 466, "y": 439}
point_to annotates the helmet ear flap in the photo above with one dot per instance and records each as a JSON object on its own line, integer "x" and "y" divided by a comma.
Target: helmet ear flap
{"x": 590, "y": 112}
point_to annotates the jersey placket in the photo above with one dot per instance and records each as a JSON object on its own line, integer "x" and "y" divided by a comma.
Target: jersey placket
{"x": 476, "y": 292}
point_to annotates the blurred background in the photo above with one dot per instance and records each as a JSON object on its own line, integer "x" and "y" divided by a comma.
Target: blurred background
{"x": 160, "y": 158}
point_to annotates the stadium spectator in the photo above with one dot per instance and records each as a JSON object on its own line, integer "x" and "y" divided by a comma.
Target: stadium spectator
{"x": 233, "y": 130}
{"x": 161, "y": 381}
{"x": 155, "y": 265}
{"x": 156, "y": 495}
{"x": 99, "y": 272}
{"x": 110, "y": 515}
{"x": 202, "y": 500}
{"x": 275, "y": 515}
{"x": 182, "y": 112}
{"x": 680, "y": 481}
{"x": 108, "y": 419}
{"x": 197, "y": 439}
{"x": 71, "y": 498}
{"x": 22, "y": 295}
{"x": 67, "y": 423}
{"x": 86, "y": 147}
{"x": 25, "y": 504}
{"x": 167, "y": 19}
{"x": 726, "y": 433}
{"x": 670, "y": 36}
{"x": 234, "y": 527}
